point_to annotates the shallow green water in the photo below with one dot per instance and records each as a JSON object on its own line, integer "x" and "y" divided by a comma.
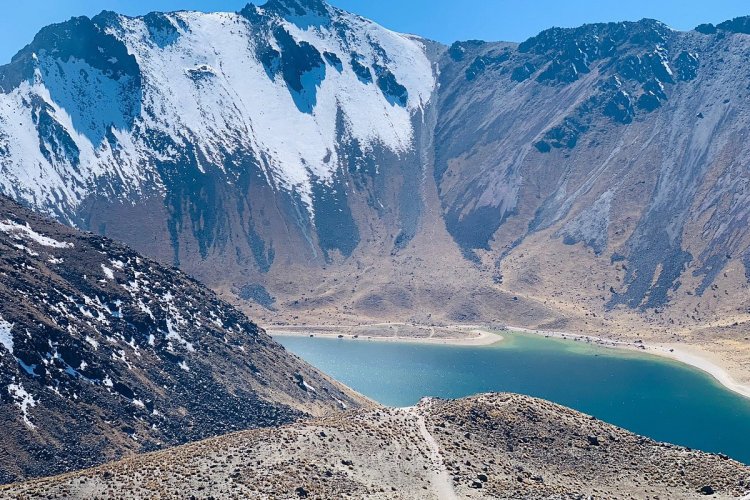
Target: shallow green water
{"x": 662, "y": 399}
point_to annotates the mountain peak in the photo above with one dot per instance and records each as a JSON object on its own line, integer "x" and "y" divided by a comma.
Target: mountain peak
{"x": 646, "y": 32}
{"x": 298, "y": 7}
{"x": 737, "y": 25}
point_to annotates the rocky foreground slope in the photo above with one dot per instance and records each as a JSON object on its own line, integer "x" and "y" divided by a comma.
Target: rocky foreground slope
{"x": 105, "y": 353}
{"x": 488, "y": 446}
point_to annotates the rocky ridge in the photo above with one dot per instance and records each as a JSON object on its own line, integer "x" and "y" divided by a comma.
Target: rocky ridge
{"x": 105, "y": 353}
{"x": 487, "y": 446}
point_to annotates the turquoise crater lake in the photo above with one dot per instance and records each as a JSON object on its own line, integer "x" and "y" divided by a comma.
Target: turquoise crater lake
{"x": 661, "y": 399}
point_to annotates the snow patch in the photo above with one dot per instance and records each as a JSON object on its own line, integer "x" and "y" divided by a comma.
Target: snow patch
{"x": 143, "y": 307}
{"x": 108, "y": 272}
{"x": 173, "y": 334}
{"x": 93, "y": 343}
{"x": 25, "y": 231}
{"x": 6, "y": 336}
{"x": 23, "y": 400}
{"x": 27, "y": 250}
{"x": 212, "y": 108}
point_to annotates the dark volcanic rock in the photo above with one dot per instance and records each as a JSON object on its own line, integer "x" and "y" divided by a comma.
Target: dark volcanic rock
{"x": 363, "y": 72}
{"x": 707, "y": 490}
{"x": 104, "y": 353}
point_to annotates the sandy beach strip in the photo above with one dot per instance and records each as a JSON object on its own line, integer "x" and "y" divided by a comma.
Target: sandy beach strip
{"x": 475, "y": 337}
{"x": 687, "y": 354}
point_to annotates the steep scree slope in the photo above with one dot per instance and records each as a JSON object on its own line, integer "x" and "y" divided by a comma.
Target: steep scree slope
{"x": 105, "y": 353}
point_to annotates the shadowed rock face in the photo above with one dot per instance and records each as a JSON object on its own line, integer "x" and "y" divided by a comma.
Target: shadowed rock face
{"x": 295, "y": 136}
{"x": 105, "y": 353}
{"x": 632, "y": 64}
{"x": 560, "y": 133}
{"x": 84, "y": 69}
{"x": 298, "y": 7}
{"x": 488, "y": 446}
{"x": 274, "y": 114}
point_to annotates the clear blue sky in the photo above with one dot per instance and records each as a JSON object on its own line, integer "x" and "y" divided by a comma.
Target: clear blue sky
{"x": 442, "y": 20}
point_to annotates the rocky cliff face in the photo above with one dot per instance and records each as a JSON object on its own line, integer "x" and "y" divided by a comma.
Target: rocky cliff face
{"x": 105, "y": 353}
{"x": 241, "y": 134}
{"x": 622, "y": 140}
{"x": 306, "y": 160}
{"x": 619, "y": 114}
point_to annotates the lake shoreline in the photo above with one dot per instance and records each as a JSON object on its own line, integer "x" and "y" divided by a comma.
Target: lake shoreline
{"x": 482, "y": 337}
{"x": 479, "y": 335}
{"x": 685, "y": 354}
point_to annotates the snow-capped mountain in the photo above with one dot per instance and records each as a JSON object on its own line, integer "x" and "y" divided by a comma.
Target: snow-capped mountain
{"x": 286, "y": 96}
{"x": 303, "y": 158}
{"x": 104, "y": 353}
